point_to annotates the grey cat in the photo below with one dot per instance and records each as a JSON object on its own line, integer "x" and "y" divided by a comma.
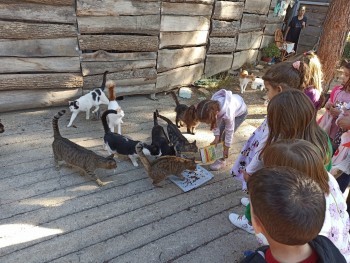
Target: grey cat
{"x": 176, "y": 137}
{"x": 77, "y": 156}
{"x": 164, "y": 166}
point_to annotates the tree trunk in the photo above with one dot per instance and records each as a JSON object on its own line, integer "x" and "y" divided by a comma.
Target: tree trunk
{"x": 332, "y": 40}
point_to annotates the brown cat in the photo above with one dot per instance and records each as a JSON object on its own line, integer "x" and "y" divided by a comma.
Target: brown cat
{"x": 77, "y": 156}
{"x": 164, "y": 166}
{"x": 185, "y": 115}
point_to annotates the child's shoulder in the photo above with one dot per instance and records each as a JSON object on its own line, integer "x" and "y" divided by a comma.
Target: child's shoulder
{"x": 256, "y": 257}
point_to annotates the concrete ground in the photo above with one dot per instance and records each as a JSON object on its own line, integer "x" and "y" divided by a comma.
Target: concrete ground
{"x": 59, "y": 216}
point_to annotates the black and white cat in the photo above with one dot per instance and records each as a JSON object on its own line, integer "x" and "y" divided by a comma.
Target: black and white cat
{"x": 160, "y": 139}
{"x": 95, "y": 98}
{"x": 116, "y": 143}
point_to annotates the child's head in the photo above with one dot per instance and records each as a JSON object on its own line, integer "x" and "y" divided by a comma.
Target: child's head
{"x": 284, "y": 76}
{"x": 207, "y": 111}
{"x": 346, "y": 76}
{"x": 286, "y": 205}
{"x": 314, "y": 76}
{"x": 300, "y": 155}
{"x": 291, "y": 115}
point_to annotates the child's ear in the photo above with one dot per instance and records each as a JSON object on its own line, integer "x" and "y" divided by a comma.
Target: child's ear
{"x": 279, "y": 89}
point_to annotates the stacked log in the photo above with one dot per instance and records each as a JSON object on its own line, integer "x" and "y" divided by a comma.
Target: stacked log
{"x": 121, "y": 37}
{"x": 38, "y": 53}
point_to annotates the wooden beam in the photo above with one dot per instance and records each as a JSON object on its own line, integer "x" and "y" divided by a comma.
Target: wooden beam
{"x": 50, "y": 64}
{"x": 221, "y": 45}
{"x": 60, "y": 47}
{"x": 183, "y": 39}
{"x": 117, "y": 7}
{"x": 228, "y": 10}
{"x": 173, "y": 58}
{"x": 45, "y": 2}
{"x": 20, "y": 30}
{"x": 146, "y": 25}
{"x": 28, "y": 99}
{"x": 184, "y": 23}
{"x": 224, "y": 29}
{"x": 40, "y": 81}
{"x": 38, "y": 12}
{"x": 118, "y": 43}
{"x": 188, "y": 9}
{"x": 102, "y": 55}
{"x": 93, "y": 68}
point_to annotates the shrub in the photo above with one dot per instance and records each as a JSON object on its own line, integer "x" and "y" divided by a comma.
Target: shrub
{"x": 271, "y": 51}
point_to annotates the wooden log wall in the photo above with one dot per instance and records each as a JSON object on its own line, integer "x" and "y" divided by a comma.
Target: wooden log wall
{"x": 53, "y": 51}
{"x": 39, "y": 54}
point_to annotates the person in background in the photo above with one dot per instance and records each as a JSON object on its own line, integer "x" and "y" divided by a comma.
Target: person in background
{"x": 295, "y": 26}
{"x": 288, "y": 208}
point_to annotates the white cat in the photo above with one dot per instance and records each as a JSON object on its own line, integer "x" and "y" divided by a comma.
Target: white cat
{"x": 87, "y": 101}
{"x": 114, "y": 120}
{"x": 258, "y": 83}
{"x": 244, "y": 79}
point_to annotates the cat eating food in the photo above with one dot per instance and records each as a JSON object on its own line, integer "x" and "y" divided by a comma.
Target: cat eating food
{"x": 117, "y": 143}
{"x": 185, "y": 115}
{"x": 160, "y": 139}
{"x": 77, "y": 156}
{"x": 176, "y": 137}
{"x": 95, "y": 98}
{"x": 164, "y": 166}
{"x": 114, "y": 120}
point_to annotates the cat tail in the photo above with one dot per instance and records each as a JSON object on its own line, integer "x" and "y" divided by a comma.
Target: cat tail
{"x": 175, "y": 97}
{"x": 139, "y": 150}
{"x": 104, "y": 120}
{"x": 155, "y": 120}
{"x": 104, "y": 81}
{"x": 111, "y": 85}
{"x": 56, "y": 131}
{"x": 164, "y": 118}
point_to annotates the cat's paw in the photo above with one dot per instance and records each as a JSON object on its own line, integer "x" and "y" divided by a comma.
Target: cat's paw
{"x": 100, "y": 183}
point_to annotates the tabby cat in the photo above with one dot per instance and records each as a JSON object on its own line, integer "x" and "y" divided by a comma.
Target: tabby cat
{"x": 89, "y": 100}
{"x": 176, "y": 137}
{"x": 76, "y": 155}
{"x": 2, "y": 128}
{"x": 185, "y": 115}
{"x": 160, "y": 139}
{"x": 117, "y": 143}
{"x": 164, "y": 166}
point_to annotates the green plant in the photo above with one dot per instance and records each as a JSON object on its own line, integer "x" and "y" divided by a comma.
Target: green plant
{"x": 271, "y": 51}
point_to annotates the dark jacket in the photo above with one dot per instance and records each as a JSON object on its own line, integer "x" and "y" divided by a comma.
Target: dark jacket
{"x": 325, "y": 249}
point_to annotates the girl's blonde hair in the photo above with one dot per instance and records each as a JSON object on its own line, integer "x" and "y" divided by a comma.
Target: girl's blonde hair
{"x": 300, "y": 155}
{"x": 207, "y": 111}
{"x": 286, "y": 75}
{"x": 291, "y": 115}
{"x": 315, "y": 75}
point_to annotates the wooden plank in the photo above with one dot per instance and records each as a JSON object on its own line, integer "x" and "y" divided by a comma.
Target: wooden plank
{"x": 184, "y": 23}
{"x": 102, "y": 55}
{"x": 45, "y": 2}
{"x": 142, "y": 88}
{"x": 308, "y": 40}
{"x": 242, "y": 57}
{"x": 224, "y": 29}
{"x": 179, "y": 77}
{"x": 257, "y": 7}
{"x": 117, "y": 8}
{"x": 98, "y": 67}
{"x": 270, "y": 29}
{"x": 50, "y": 64}
{"x": 189, "y": 9}
{"x": 146, "y": 25}
{"x": 174, "y": 58}
{"x": 118, "y": 42}
{"x": 228, "y": 10}
{"x": 192, "y": 1}
{"x": 253, "y": 22}
{"x": 250, "y": 40}
{"x": 311, "y": 31}
{"x": 144, "y": 74}
{"x": 38, "y": 12}
{"x": 20, "y": 30}
{"x": 215, "y": 64}
{"x": 40, "y": 81}
{"x": 221, "y": 45}
{"x": 60, "y": 47}
{"x": 183, "y": 39}
{"x": 29, "y": 99}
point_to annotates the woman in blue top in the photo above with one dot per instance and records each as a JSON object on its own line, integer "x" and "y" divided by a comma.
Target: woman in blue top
{"x": 295, "y": 26}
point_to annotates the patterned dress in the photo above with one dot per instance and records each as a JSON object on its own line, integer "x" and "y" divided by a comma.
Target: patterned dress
{"x": 336, "y": 224}
{"x": 248, "y": 158}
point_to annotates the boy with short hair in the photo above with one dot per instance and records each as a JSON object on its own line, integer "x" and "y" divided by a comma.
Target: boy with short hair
{"x": 289, "y": 209}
